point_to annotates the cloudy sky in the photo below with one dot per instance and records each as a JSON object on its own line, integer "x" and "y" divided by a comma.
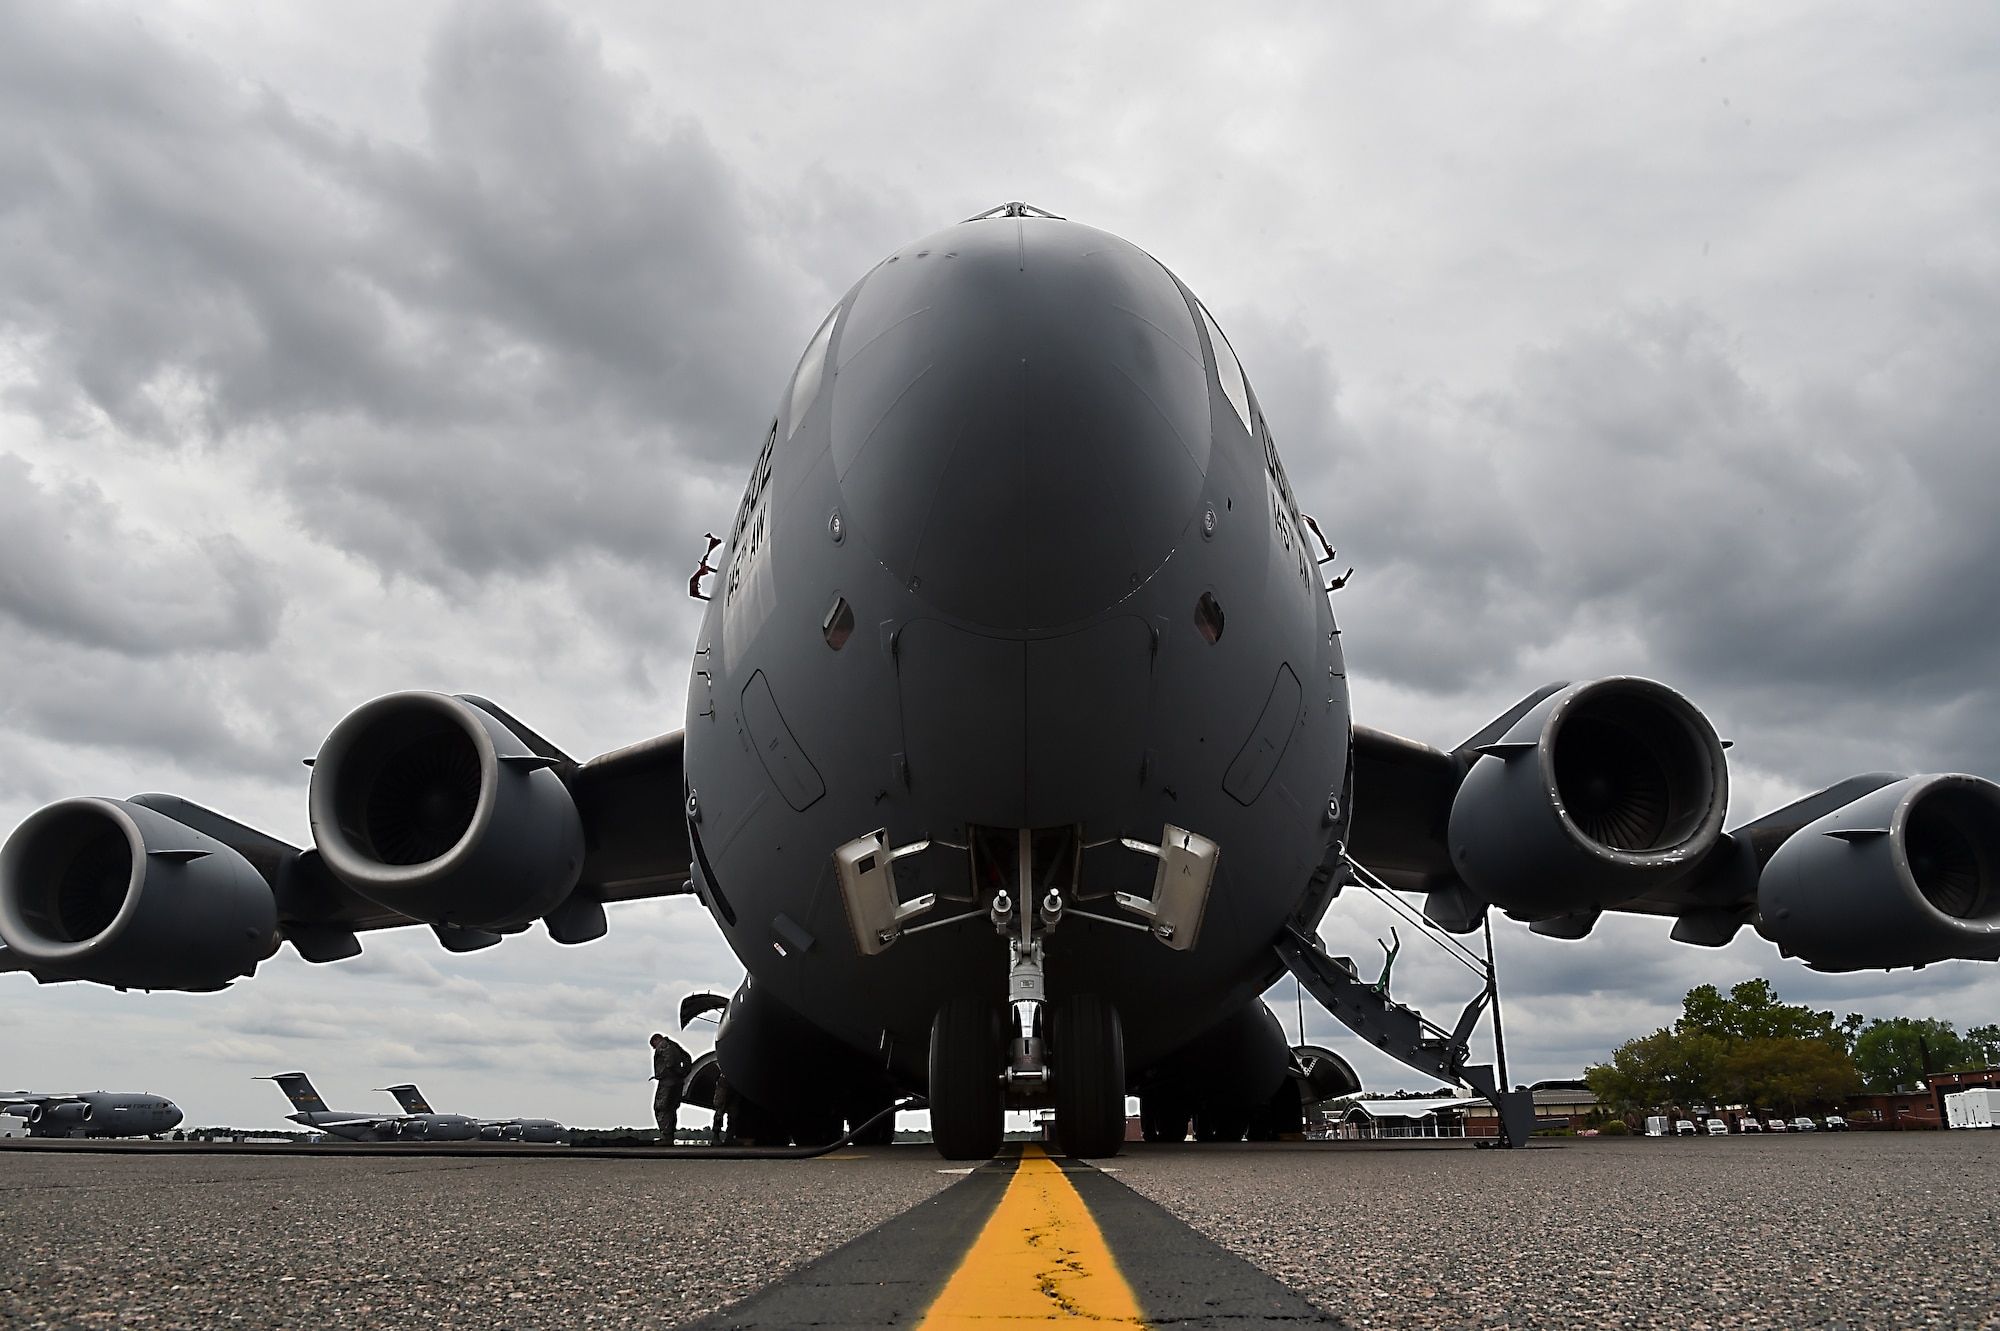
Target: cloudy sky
{"x": 414, "y": 345}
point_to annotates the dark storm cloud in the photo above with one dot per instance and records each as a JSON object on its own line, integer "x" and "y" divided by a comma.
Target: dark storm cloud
{"x": 519, "y": 347}
{"x": 1803, "y": 552}
{"x": 71, "y": 569}
{"x": 510, "y": 341}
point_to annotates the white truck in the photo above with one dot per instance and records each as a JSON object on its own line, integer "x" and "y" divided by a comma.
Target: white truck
{"x": 1656, "y": 1125}
{"x": 1975, "y": 1107}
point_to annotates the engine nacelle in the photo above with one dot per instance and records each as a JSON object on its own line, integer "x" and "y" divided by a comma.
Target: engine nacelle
{"x": 1904, "y": 876}
{"x": 110, "y": 891}
{"x": 430, "y": 806}
{"x": 441, "y": 1128}
{"x": 1602, "y": 791}
{"x": 65, "y": 1116}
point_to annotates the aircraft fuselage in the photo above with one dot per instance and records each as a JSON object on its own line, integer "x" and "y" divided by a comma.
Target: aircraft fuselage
{"x": 1017, "y": 553}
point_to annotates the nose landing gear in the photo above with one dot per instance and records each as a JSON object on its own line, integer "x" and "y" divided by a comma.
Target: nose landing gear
{"x": 1075, "y": 1059}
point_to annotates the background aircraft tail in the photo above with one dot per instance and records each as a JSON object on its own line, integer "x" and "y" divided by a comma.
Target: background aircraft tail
{"x": 410, "y": 1098}
{"x": 298, "y": 1088}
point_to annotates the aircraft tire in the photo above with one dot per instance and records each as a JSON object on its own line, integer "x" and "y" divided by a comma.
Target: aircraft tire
{"x": 1089, "y": 1077}
{"x": 968, "y": 1115}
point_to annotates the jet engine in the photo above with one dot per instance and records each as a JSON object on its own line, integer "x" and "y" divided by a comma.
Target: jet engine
{"x": 1600, "y": 792}
{"x": 1904, "y": 876}
{"x": 60, "y": 1118}
{"x": 111, "y": 891}
{"x": 434, "y": 808}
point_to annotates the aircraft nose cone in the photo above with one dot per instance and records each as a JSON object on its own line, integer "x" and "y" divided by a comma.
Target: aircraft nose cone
{"x": 1021, "y": 420}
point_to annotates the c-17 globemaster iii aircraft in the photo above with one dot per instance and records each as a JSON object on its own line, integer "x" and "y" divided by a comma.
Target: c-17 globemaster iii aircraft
{"x": 417, "y": 1121}
{"x": 92, "y": 1113}
{"x": 361, "y": 1126}
{"x": 1017, "y": 759}
{"x": 416, "y": 1107}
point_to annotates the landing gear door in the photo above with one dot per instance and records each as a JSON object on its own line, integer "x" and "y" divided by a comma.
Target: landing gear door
{"x": 1180, "y": 886}
{"x": 865, "y": 867}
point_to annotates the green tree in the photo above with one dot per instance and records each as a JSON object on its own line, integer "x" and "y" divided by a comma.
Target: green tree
{"x": 1665, "y": 1068}
{"x": 1743, "y": 1046}
{"x": 1892, "y": 1054}
{"x": 1982, "y": 1046}
{"x": 1789, "y": 1073}
{"x": 1752, "y": 1012}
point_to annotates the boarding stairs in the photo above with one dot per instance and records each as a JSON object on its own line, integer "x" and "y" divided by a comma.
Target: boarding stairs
{"x": 1402, "y": 1032}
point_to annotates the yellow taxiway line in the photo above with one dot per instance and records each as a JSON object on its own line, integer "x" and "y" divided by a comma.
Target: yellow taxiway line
{"x": 1039, "y": 1258}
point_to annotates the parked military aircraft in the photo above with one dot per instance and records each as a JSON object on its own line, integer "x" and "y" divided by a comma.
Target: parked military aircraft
{"x": 92, "y": 1113}
{"x": 489, "y": 1129}
{"x": 422, "y": 1125}
{"x": 1017, "y": 758}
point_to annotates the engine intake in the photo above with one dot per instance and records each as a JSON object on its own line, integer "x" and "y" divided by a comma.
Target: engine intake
{"x": 432, "y": 807}
{"x": 1601, "y": 792}
{"x": 1904, "y": 876}
{"x": 111, "y": 891}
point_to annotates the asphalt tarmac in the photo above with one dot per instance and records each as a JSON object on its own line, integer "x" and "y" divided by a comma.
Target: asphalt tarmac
{"x": 336, "y": 1241}
{"x": 1848, "y": 1231}
{"x": 1835, "y": 1230}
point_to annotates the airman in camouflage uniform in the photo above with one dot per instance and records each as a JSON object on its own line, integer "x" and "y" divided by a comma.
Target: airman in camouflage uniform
{"x": 670, "y": 1069}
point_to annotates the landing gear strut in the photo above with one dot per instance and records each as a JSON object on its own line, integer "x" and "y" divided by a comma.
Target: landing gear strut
{"x": 985, "y": 1056}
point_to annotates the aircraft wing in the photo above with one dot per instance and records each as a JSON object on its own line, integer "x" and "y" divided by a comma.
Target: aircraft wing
{"x": 16, "y": 1098}
{"x": 1403, "y": 795}
{"x": 1401, "y": 805}
{"x": 629, "y": 803}
{"x": 635, "y": 833}
{"x": 1609, "y": 796}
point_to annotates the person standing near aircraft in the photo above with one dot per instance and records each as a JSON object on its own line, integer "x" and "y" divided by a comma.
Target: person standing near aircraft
{"x": 670, "y": 1069}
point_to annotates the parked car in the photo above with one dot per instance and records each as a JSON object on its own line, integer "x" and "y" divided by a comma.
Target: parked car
{"x": 1774, "y": 1125}
{"x": 1717, "y": 1128}
{"x": 1684, "y": 1127}
{"x": 1835, "y": 1123}
{"x": 1748, "y": 1124}
{"x": 1804, "y": 1124}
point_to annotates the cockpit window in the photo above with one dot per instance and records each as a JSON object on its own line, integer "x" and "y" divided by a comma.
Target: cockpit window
{"x": 1228, "y": 371}
{"x": 812, "y": 367}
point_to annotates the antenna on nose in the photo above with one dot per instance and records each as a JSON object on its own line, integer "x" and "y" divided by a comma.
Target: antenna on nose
{"x": 1016, "y": 209}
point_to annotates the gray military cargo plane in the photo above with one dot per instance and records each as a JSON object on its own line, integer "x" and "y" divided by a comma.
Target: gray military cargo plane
{"x": 92, "y": 1113}
{"x": 421, "y": 1125}
{"x": 1017, "y": 759}
{"x": 489, "y": 1129}
{"x": 355, "y": 1126}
